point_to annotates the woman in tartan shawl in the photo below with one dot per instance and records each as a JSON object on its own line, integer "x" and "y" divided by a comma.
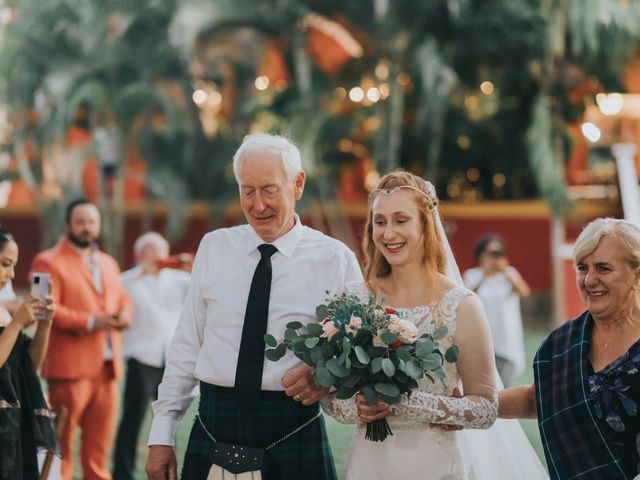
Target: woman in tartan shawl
{"x": 26, "y": 425}
{"x": 587, "y": 372}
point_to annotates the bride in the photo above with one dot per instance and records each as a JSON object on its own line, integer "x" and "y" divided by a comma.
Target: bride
{"x": 406, "y": 265}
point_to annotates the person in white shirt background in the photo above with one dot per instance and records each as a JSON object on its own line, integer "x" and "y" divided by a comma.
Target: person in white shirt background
{"x": 158, "y": 295}
{"x": 500, "y": 287}
{"x": 208, "y": 344}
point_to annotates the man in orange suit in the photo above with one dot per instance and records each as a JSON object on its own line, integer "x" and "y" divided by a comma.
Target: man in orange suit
{"x": 84, "y": 360}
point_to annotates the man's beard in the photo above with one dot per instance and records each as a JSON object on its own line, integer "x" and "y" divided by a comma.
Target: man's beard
{"x": 79, "y": 242}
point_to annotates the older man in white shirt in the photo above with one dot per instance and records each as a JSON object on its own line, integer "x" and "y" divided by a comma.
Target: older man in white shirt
{"x": 248, "y": 280}
{"x": 157, "y": 295}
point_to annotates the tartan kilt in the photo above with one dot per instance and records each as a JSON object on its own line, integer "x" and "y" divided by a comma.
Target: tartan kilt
{"x": 306, "y": 454}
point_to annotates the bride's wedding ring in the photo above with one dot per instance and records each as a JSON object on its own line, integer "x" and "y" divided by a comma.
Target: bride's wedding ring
{"x": 297, "y": 397}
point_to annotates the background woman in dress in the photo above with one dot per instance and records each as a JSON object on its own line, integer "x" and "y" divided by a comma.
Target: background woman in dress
{"x": 26, "y": 425}
{"x": 500, "y": 287}
{"x": 586, "y": 392}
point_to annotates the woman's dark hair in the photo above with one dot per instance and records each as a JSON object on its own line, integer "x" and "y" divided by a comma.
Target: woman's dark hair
{"x": 481, "y": 245}
{"x": 5, "y": 237}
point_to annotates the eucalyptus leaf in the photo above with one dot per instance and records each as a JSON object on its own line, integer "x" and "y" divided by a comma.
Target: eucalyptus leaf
{"x": 388, "y": 389}
{"x": 414, "y": 370}
{"x": 391, "y": 400}
{"x": 311, "y": 342}
{"x": 432, "y": 361}
{"x": 388, "y": 367}
{"x": 388, "y": 337}
{"x": 314, "y": 329}
{"x": 370, "y": 394}
{"x": 324, "y": 377}
{"x": 294, "y": 325}
{"x": 316, "y": 355}
{"x": 440, "y": 333}
{"x": 321, "y": 312}
{"x": 289, "y": 334}
{"x": 274, "y": 354}
{"x": 363, "y": 357}
{"x": 336, "y": 369}
{"x": 298, "y": 346}
{"x": 376, "y": 365}
{"x": 352, "y": 380}
{"x": 270, "y": 341}
{"x": 452, "y": 354}
{"x": 403, "y": 354}
{"x": 345, "y": 392}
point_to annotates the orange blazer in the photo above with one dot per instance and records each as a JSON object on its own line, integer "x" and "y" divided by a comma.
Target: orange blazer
{"x": 74, "y": 351}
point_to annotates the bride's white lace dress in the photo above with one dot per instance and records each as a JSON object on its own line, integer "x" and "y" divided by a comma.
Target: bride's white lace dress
{"x": 416, "y": 450}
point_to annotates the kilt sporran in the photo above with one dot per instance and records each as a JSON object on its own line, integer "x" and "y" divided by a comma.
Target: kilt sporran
{"x": 229, "y": 459}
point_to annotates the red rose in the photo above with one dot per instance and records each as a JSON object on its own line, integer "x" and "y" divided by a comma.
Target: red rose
{"x": 395, "y": 344}
{"x": 389, "y": 311}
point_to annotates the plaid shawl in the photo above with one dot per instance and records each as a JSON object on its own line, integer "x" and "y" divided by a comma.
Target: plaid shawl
{"x": 577, "y": 444}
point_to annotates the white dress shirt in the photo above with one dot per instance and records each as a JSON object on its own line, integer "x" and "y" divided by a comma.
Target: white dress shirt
{"x": 157, "y": 303}
{"x": 206, "y": 343}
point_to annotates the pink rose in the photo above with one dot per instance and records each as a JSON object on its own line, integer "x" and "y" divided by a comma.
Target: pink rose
{"x": 407, "y": 331}
{"x": 329, "y": 329}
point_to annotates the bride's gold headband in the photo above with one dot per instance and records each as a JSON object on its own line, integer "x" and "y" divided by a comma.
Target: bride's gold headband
{"x": 390, "y": 191}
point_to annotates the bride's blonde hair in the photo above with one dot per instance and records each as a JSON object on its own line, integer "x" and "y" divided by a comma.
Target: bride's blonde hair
{"x": 434, "y": 256}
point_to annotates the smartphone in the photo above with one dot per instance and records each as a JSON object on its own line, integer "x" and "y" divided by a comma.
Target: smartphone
{"x": 40, "y": 288}
{"x": 40, "y": 284}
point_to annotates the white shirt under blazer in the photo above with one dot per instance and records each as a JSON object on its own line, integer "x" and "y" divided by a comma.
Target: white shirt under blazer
{"x": 205, "y": 345}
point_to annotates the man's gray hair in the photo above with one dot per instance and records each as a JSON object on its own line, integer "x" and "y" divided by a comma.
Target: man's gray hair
{"x": 263, "y": 142}
{"x": 148, "y": 238}
{"x": 625, "y": 231}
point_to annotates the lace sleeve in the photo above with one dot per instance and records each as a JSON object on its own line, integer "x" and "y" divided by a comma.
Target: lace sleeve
{"x": 344, "y": 411}
{"x": 478, "y": 408}
{"x": 472, "y": 411}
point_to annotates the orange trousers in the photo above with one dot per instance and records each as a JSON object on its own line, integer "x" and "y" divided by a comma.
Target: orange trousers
{"x": 92, "y": 404}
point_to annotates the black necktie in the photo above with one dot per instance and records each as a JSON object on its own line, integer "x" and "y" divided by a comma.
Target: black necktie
{"x": 251, "y": 355}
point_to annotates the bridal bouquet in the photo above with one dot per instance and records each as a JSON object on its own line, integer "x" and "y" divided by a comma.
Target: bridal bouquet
{"x": 365, "y": 346}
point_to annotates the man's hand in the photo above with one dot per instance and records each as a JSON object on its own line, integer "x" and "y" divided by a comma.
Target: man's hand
{"x": 161, "y": 463}
{"x": 103, "y": 322}
{"x": 298, "y": 383}
{"x": 121, "y": 320}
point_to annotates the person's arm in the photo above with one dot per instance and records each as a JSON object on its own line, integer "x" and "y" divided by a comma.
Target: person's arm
{"x": 23, "y": 317}
{"x": 344, "y": 411}
{"x": 40, "y": 343}
{"x": 478, "y": 407}
{"x": 176, "y": 392}
{"x": 517, "y": 282}
{"x": 518, "y": 402}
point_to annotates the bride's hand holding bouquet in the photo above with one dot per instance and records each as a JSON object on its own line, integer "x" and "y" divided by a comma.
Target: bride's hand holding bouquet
{"x": 367, "y": 349}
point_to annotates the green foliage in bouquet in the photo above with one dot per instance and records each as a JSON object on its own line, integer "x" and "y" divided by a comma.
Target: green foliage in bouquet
{"x": 365, "y": 346}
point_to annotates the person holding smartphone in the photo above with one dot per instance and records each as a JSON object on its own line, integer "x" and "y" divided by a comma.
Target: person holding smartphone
{"x": 500, "y": 287}
{"x": 26, "y": 426}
